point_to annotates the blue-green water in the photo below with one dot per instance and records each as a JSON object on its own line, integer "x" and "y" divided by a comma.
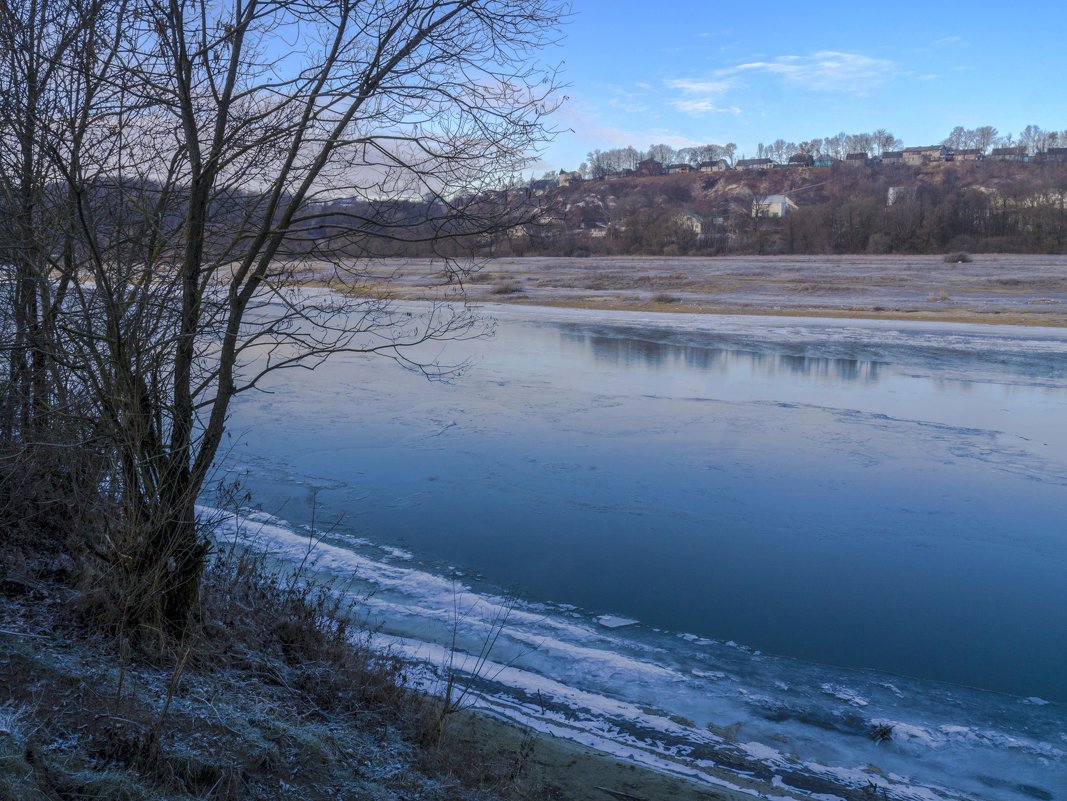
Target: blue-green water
{"x": 882, "y": 497}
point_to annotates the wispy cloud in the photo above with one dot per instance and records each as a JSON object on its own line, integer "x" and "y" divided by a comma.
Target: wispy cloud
{"x": 826, "y": 70}
{"x": 700, "y": 97}
{"x": 629, "y": 101}
{"x": 703, "y": 107}
{"x": 823, "y": 71}
{"x": 691, "y": 86}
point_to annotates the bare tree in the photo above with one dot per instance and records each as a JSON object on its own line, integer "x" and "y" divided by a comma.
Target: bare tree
{"x": 1034, "y": 138}
{"x": 836, "y": 145}
{"x": 861, "y": 143}
{"x": 885, "y": 141}
{"x": 204, "y": 160}
{"x": 984, "y": 137}
{"x": 664, "y": 154}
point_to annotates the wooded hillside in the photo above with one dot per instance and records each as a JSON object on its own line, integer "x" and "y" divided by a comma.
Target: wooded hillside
{"x": 984, "y": 206}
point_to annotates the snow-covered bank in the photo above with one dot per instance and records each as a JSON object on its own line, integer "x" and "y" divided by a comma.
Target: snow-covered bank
{"x": 691, "y": 706}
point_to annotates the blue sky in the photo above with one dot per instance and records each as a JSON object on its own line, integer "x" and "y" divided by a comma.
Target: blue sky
{"x": 689, "y": 72}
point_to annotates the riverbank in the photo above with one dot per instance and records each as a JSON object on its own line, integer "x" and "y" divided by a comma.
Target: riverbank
{"x": 254, "y": 707}
{"x": 991, "y": 288}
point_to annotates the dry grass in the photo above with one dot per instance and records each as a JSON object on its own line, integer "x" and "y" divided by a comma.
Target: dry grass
{"x": 506, "y": 288}
{"x": 277, "y": 691}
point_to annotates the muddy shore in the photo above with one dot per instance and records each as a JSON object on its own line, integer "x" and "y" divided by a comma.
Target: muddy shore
{"x": 991, "y": 288}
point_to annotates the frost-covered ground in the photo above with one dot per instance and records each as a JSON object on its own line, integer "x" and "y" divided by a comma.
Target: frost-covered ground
{"x": 677, "y": 498}
{"x": 994, "y": 288}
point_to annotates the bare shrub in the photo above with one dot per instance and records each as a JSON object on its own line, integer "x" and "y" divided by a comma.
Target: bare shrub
{"x": 665, "y": 298}
{"x": 507, "y": 288}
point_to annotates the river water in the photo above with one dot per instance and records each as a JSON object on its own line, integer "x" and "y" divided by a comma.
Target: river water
{"x": 721, "y": 543}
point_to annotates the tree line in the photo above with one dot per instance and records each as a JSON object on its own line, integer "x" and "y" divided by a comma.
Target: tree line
{"x": 1005, "y": 207}
{"x": 614, "y": 161}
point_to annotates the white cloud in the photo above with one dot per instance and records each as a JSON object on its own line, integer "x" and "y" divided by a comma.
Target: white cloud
{"x": 698, "y": 87}
{"x": 695, "y": 106}
{"x": 699, "y": 96}
{"x": 627, "y": 100}
{"x": 826, "y": 70}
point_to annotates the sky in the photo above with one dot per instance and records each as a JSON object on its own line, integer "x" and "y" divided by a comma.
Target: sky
{"x": 691, "y": 72}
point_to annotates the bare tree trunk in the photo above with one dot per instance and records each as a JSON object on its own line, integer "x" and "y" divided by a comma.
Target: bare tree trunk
{"x": 189, "y": 152}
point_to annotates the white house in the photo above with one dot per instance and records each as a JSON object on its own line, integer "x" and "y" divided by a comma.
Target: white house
{"x": 694, "y": 222}
{"x": 772, "y": 206}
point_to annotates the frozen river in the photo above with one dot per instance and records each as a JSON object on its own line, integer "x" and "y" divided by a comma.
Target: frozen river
{"x": 775, "y": 534}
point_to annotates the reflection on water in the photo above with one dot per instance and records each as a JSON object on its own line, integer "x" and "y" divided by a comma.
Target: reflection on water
{"x": 626, "y": 351}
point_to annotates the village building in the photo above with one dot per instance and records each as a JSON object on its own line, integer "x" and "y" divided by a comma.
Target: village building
{"x": 969, "y": 154}
{"x": 1053, "y": 154}
{"x": 594, "y": 230}
{"x": 916, "y": 156}
{"x": 694, "y": 222}
{"x": 567, "y": 178}
{"x": 673, "y": 169}
{"x": 825, "y": 161}
{"x": 649, "y": 167}
{"x": 713, "y": 166}
{"x": 893, "y": 157}
{"x": 755, "y": 164}
{"x": 856, "y": 159}
{"x": 772, "y": 206}
{"x": 1017, "y": 153}
{"x": 801, "y": 160}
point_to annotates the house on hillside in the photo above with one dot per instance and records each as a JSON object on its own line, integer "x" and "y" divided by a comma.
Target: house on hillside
{"x": 969, "y": 154}
{"x": 801, "y": 160}
{"x": 1053, "y": 154}
{"x": 594, "y": 230}
{"x": 568, "y": 178}
{"x": 694, "y": 222}
{"x": 1017, "y": 153}
{"x": 893, "y": 157}
{"x": 772, "y": 206}
{"x": 825, "y": 161}
{"x": 916, "y": 156}
{"x": 856, "y": 160}
{"x": 673, "y": 169}
{"x": 649, "y": 167}
{"x": 713, "y": 166}
{"x": 755, "y": 164}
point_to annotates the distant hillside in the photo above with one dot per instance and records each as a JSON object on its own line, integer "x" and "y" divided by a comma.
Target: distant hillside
{"x": 984, "y": 206}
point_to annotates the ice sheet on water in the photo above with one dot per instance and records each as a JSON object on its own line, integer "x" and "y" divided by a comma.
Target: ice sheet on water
{"x": 615, "y": 621}
{"x": 694, "y": 706}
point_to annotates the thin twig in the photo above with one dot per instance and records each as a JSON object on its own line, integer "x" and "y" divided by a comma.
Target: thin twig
{"x": 23, "y": 634}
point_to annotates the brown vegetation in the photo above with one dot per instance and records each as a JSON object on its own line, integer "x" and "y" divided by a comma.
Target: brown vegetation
{"x": 274, "y": 692}
{"x": 933, "y": 209}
